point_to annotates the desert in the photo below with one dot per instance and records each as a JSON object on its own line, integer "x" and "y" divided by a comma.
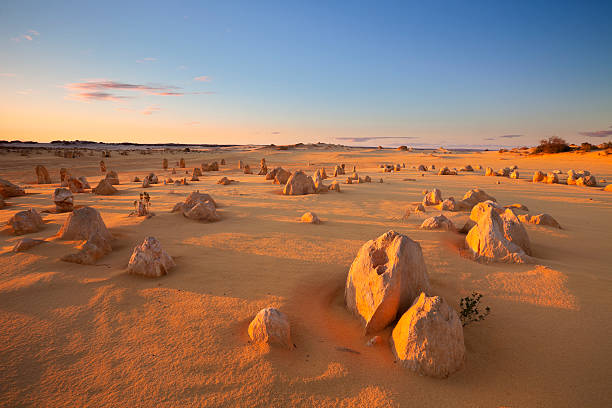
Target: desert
{"x": 128, "y": 327}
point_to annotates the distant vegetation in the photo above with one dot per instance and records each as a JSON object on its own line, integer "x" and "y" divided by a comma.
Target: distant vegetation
{"x": 553, "y": 144}
{"x": 469, "y": 309}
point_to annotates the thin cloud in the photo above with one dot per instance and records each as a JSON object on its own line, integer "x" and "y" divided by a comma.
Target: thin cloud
{"x": 597, "y": 133}
{"x": 27, "y": 36}
{"x": 489, "y": 138}
{"x": 97, "y": 96}
{"x": 24, "y": 92}
{"x": 7, "y": 75}
{"x": 276, "y": 133}
{"x": 367, "y": 139}
{"x": 192, "y": 123}
{"x": 145, "y": 60}
{"x": 149, "y": 110}
{"x": 202, "y": 78}
{"x": 510, "y": 136}
{"x": 100, "y": 90}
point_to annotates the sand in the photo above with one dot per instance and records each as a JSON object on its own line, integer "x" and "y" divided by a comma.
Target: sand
{"x": 75, "y": 335}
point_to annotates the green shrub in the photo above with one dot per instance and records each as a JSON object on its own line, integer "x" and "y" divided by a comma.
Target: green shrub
{"x": 469, "y": 309}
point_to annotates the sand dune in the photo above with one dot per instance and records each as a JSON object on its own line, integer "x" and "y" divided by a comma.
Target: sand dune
{"x": 92, "y": 335}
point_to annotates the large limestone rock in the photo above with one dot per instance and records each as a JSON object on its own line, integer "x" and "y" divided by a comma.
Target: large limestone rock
{"x": 42, "y": 175}
{"x": 438, "y": 222}
{"x": 84, "y": 182}
{"x": 422, "y": 167}
{"x": 112, "y": 177}
{"x": 475, "y": 196}
{"x": 514, "y": 175}
{"x": 540, "y": 219}
{"x": 481, "y": 208}
{"x": 299, "y": 184}
{"x": 165, "y": 164}
{"x": 182, "y": 163}
{"x": 434, "y": 197}
{"x": 385, "y": 277}
{"x": 271, "y": 326}
{"x": 89, "y": 251}
{"x": 149, "y": 259}
{"x": 84, "y": 223}
{"x": 104, "y": 188}
{"x": 334, "y": 186}
{"x": 8, "y": 189}
{"x": 515, "y": 231}
{"x": 428, "y": 338}
{"x": 338, "y": 171}
{"x": 225, "y": 181}
{"x": 587, "y": 181}
{"x": 552, "y": 178}
{"x": 487, "y": 241}
{"x": 198, "y": 206}
{"x": 25, "y": 222}
{"x": 489, "y": 172}
{"x": 63, "y": 199}
{"x": 279, "y": 175}
{"x": 75, "y": 185}
{"x": 538, "y": 177}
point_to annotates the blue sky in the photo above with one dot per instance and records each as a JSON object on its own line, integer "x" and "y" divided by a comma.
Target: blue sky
{"x": 419, "y": 73}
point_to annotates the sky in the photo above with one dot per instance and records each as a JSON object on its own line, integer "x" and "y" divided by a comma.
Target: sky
{"x": 417, "y": 73}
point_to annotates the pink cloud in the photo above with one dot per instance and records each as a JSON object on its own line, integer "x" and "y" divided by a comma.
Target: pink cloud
{"x": 29, "y": 36}
{"x": 149, "y": 110}
{"x": 202, "y": 78}
{"x": 7, "y": 74}
{"x": 145, "y": 60}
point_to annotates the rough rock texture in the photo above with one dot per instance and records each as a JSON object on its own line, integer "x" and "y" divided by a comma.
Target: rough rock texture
{"x": 310, "y": 218}
{"x": 280, "y": 176}
{"x": 487, "y": 241}
{"x": 63, "y": 175}
{"x": 338, "y": 171}
{"x": 434, "y": 197}
{"x": 8, "y": 189}
{"x": 334, "y": 186}
{"x": 182, "y": 163}
{"x": 26, "y": 243}
{"x": 75, "y": 185}
{"x": 84, "y": 223}
{"x": 445, "y": 171}
{"x": 438, "y": 222}
{"x": 422, "y": 168}
{"x": 104, "y": 188}
{"x": 112, "y": 177}
{"x": 198, "y": 206}
{"x": 149, "y": 259}
{"x": 102, "y": 166}
{"x": 320, "y": 187}
{"x": 481, "y": 208}
{"x": 515, "y": 231}
{"x": 587, "y": 181}
{"x": 90, "y": 251}
{"x": 489, "y": 172}
{"x": 608, "y": 187}
{"x": 25, "y": 222}
{"x": 540, "y": 219}
{"x": 247, "y": 169}
{"x": 538, "y": 177}
{"x": 271, "y": 326}
{"x": 475, "y": 196}
{"x": 197, "y": 172}
{"x": 263, "y": 169}
{"x": 419, "y": 208}
{"x": 552, "y": 178}
{"x": 225, "y": 181}
{"x": 63, "y": 199}
{"x": 385, "y": 277}
{"x": 448, "y": 204}
{"x": 428, "y": 338}
{"x": 165, "y": 164}
{"x": 505, "y": 172}
{"x": 42, "y": 175}
{"x": 467, "y": 168}
{"x": 299, "y": 184}
{"x": 84, "y": 182}
{"x": 514, "y": 175}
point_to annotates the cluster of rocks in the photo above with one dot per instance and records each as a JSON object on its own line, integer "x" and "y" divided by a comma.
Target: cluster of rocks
{"x": 198, "y": 206}
{"x": 388, "y": 278}
{"x": 583, "y": 178}
{"x": 214, "y": 166}
{"x": 470, "y": 199}
{"x": 86, "y": 224}
{"x": 511, "y": 172}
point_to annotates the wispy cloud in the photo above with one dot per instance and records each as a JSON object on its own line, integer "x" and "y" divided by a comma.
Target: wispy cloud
{"x": 24, "y": 92}
{"x": 192, "y": 123}
{"x": 367, "y": 139}
{"x": 202, "y": 78}
{"x": 598, "y": 133}
{"x": 181, "y": 67}
{"x": 101, "y": 90}
{"x": 28, "y": 36}
{"x": 145, "y": 60}
{"x": 7, "y": 75}
{"x": 149, "y": 110}
{"x": 275, "y": 133}
{"x": 510, "y": 136}
{"x": 489, "y": 138}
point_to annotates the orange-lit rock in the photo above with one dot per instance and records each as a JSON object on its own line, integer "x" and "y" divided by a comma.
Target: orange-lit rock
{"x": 149, "y": 259}
{"x": 310, "y": 218}
{"x": 385, "y": 277}
{"x": 299, "y": 184}
{"x": 25, "y": 222}
{"x": 428, "y": 338}
{"x": 271, "y": 326}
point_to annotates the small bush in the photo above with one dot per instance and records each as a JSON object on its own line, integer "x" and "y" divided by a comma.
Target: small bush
{"x": 469, "y": 309}
{"x": 587, "y": 147}
{"x": 552, "y": 145}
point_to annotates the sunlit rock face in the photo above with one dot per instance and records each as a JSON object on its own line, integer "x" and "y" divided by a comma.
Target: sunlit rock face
{"x": 488, "y": 243}
{"x": 299, "y": 184}
{"x": 271, "y": 326}
{"x": 25, "y": 222}
{"x": 149, "y": 259}
{"x": 385, "y": 277}
{"x": 434, "y": 197}
{"x": 428, "y": 338}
